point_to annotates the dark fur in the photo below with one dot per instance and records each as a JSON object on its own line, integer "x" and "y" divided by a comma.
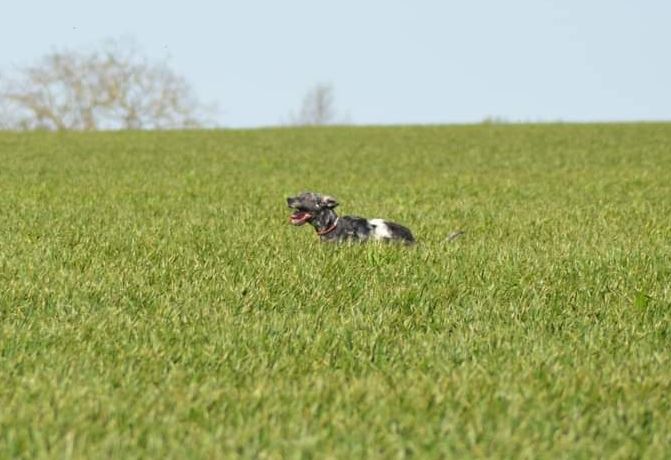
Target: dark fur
{"x": 318, "y": 211}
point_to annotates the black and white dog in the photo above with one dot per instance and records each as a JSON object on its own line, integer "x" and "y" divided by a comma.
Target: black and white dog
{"x": 318, "y": 210}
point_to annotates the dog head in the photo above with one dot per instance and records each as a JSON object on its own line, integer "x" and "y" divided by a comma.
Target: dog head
{"x": 310, "y": 207}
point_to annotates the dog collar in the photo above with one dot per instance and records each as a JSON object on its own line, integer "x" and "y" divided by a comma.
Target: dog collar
{"x": 329, "y": 229}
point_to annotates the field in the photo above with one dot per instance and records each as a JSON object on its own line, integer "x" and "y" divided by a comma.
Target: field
{"x": 154, "y": 301}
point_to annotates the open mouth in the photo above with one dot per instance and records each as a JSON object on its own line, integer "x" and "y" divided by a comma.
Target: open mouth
{"x": 299, "y": 217}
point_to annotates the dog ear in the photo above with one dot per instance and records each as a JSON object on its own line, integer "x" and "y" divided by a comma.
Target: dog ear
{"x": 329, "y": 202}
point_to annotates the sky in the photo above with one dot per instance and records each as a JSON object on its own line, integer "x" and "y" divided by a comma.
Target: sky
{"x": 389, "y": 62}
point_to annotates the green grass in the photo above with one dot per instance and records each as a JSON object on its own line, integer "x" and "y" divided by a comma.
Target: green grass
{"x": 154, "y": 302}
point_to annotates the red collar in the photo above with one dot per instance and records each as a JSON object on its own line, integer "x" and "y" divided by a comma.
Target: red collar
{"x": 329, "y": 229}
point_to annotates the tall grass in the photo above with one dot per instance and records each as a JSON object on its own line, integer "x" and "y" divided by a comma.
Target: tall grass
{"x": 154, "y": 302}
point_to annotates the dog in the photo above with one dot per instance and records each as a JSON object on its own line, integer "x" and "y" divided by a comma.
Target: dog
{"x": 318, "y": 211}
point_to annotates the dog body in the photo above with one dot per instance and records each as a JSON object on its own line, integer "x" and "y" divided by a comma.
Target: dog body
{"x": 318, "y": 211}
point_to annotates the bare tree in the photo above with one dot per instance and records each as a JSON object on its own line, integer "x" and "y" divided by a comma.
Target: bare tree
{"x": 111, "y": 88}
{"x": 317, "y": 108}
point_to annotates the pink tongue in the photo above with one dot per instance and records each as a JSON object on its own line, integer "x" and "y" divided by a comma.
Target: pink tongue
{"x": 299, "y": 216}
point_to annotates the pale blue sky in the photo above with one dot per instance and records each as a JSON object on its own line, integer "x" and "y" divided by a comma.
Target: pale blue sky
{"x": 389, "y": 61}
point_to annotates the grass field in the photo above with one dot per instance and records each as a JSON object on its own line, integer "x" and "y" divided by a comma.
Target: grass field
{"x": 154, "y": 301}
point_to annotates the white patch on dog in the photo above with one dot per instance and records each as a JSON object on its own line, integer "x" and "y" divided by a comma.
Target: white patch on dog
{"x": 380, "y": 229}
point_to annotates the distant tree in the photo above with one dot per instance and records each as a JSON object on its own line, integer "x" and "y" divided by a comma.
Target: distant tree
{"x": 494, "y": 120}
{"x": 317, "y": 108}
{"x": 115, "y": 87}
